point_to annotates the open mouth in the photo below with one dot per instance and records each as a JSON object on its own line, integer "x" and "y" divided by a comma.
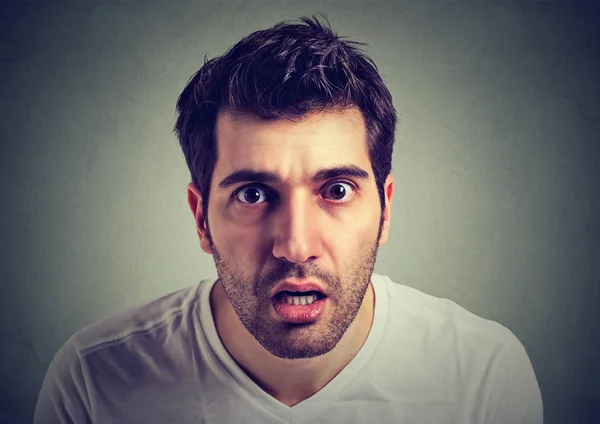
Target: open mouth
{"x": 299, "y": 298}
{"x": 299, "y": 307}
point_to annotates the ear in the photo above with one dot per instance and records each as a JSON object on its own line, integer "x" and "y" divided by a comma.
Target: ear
{"x": 388, "y": 192}
{"x": 195, "y": 202}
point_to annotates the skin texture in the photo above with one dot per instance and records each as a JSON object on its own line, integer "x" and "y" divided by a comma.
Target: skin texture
{"x": 262, "y": 233}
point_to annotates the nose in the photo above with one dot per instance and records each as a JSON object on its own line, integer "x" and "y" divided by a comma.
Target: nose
{"x": 297, "y": 229}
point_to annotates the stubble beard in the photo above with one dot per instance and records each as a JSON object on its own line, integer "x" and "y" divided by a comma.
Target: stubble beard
{"x": 249, "y": 297}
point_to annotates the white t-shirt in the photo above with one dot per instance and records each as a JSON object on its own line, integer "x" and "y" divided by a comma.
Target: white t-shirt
{"x": 426, "y": 360}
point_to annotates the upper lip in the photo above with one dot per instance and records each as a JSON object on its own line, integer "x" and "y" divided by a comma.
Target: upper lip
{"x": 298, "y": 286}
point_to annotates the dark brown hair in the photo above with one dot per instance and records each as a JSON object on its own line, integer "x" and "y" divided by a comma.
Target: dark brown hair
{"x": 285, "y": 72}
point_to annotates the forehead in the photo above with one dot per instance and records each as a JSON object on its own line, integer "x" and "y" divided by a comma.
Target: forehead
{"x": 292, "y": 149}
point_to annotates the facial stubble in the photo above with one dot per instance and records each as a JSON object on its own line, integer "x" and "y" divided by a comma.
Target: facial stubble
{"x": 249, "y": 297}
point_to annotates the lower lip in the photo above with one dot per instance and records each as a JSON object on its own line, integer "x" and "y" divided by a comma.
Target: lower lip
{"x": 299, "y": 314}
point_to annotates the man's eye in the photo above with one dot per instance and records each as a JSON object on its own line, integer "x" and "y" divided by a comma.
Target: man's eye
{"x": 340, "y": 191}
{"x": 251, "y": 195}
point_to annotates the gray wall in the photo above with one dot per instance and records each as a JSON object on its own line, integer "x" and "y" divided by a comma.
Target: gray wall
{"x": 496, "y": 166}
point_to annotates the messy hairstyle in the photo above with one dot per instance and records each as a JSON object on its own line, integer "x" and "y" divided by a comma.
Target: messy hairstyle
{"x": 285, "y": 72}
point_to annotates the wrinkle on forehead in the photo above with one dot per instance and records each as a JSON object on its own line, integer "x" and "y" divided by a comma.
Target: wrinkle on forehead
{"x": 292, "y": 149}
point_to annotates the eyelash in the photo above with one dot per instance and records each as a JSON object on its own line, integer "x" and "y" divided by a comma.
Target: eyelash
{"x": 269, "y": 193}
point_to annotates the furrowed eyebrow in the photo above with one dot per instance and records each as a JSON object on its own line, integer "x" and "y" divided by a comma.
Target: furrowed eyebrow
{"x": 247, "y": 175}
{"x": 340, "y": 171}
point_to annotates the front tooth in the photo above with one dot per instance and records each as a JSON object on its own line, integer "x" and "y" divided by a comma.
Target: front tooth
{"x": 300, "y": 300}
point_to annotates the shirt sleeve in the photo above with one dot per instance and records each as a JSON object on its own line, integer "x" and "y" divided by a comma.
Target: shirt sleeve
{"x": 63, "y": 396}
{"x": 514, "y": 393}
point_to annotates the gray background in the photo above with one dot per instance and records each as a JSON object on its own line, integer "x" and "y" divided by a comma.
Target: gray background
{"x": 496, "y": 165}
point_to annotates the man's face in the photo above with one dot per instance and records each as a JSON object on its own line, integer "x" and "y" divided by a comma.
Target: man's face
{"x": 291, "y": 227}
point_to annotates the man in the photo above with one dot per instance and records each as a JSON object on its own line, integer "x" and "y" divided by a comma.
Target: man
{"x": 289, "y": 139}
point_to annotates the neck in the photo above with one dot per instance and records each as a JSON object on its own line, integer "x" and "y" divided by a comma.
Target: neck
{"x": 288, "y": 380}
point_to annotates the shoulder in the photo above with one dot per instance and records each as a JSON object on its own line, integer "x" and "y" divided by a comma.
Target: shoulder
{"x": 475, "y": 344}
{"x": 157, "y": 315}
{"x": 449, "y": 336}
{"x": 117, "y": 351}
{"x": 440, "y": 346}
{"x": 433, "y": 312}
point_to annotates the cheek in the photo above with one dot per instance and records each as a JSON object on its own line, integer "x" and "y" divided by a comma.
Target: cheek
{"x": 360, "y": 226}
{"x": 352, "y": 239}
{"x": 241, "y": 241}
